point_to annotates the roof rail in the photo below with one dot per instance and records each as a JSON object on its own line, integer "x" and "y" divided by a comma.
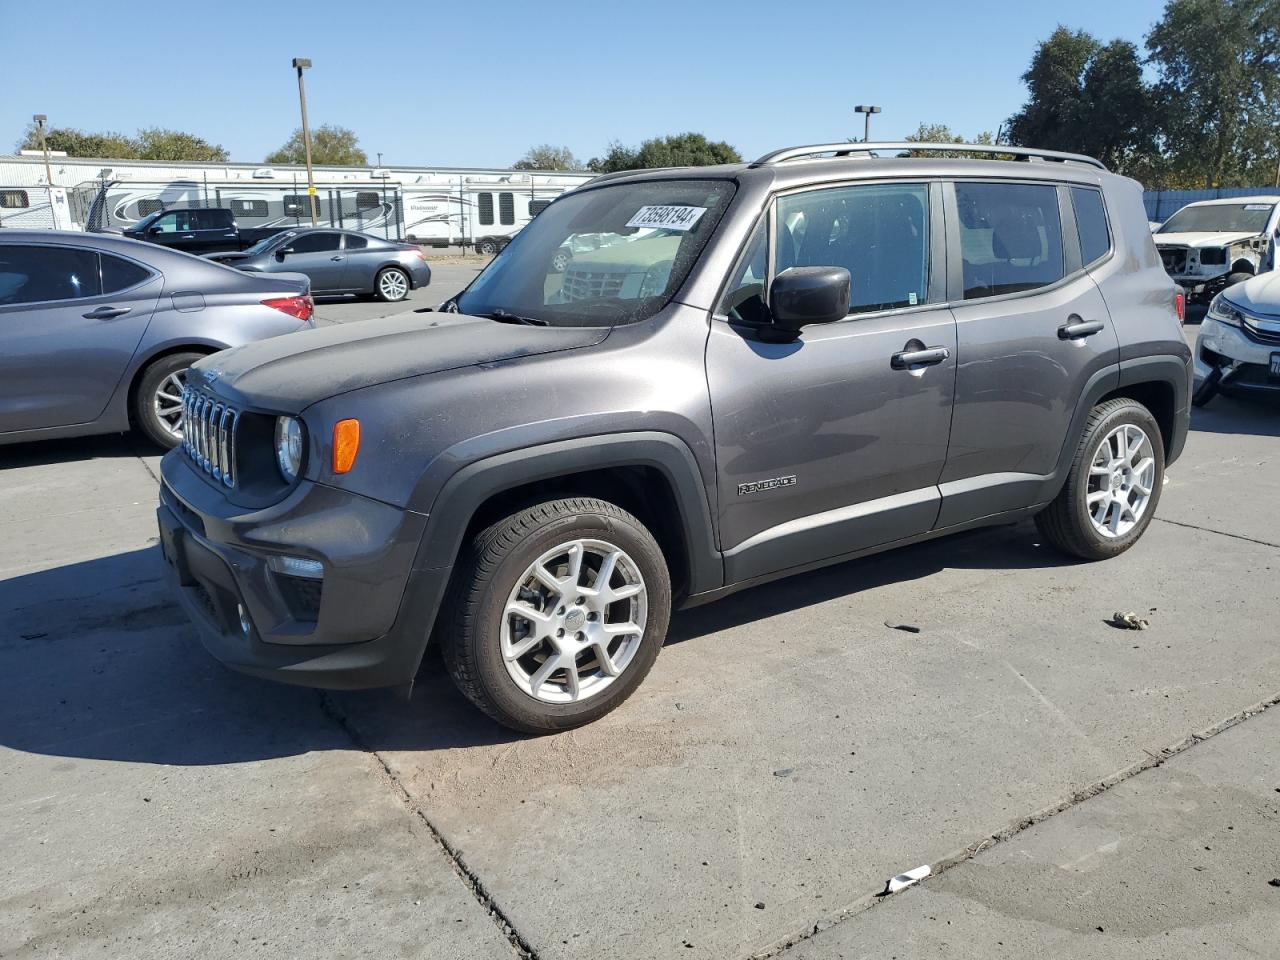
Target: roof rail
{"x": 848, "y": 149}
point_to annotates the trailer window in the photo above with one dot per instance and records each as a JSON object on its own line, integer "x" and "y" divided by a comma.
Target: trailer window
{"x": 249, "y": 208}
{"x": 14, "y": 199}
{"x": 149, "y": 206}
{"x": 367, "y": 200}
{"x": 296, "y": 205}
{"x": 484, "y": 202}
{"x": 537, "y": 206}
{"x": 506, "y": 209}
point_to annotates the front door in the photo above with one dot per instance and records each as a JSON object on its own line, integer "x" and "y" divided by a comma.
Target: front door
{"x": 317, "y": 254}
{"x": 1032, "y": 328}
{"x": 64, "y": 342}
{"x": 176, "y": 229}
{"x": 835, "y": 442}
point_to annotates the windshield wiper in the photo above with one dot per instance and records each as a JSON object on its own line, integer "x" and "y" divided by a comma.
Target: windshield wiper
{"x": 503, "y": 317}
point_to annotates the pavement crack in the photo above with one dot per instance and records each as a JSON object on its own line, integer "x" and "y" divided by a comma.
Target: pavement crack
{"x": 1015, "y": 827}
{"x": 479, "y": 892}
{"x": 1221, "y": 533}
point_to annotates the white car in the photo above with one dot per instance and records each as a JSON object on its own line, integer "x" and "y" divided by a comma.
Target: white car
{"x": 1238, "y": 347}
{"x": 1208, "y": 246}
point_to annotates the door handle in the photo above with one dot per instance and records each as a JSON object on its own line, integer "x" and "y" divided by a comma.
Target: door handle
{"x": 921, "y": 357}
{"x": 335, "y": 259}
{"x": 106, "y": 313}
{"x": 1077, "y": 329}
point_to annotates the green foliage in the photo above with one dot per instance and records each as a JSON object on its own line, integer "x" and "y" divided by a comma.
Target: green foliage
{"x": 151, "y": 144}
{"x": 330, "y": 146}
{"x": 941, "y": 133}
{"x": 546, "y": 156}
{"x": 681, "y": 150}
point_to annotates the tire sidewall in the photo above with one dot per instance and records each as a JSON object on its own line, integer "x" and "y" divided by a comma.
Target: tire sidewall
{"x": 143, "y": 413}
{"x": 486, "y": 653}
{"x": 1132, "y": 413}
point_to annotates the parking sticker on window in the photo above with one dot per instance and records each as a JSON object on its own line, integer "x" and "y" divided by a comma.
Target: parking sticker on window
{"x": 1257, "y": 206}
{"x": 667, "y": 217}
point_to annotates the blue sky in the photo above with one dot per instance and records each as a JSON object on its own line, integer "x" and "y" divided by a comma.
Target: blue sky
{"x": 477, "y": 83}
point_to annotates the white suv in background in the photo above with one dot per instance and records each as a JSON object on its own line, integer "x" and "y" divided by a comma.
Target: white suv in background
{"x": 1208, "y": 246}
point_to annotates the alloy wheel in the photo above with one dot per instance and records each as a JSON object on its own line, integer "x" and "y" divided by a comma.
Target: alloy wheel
{"x": 1122, "y": 475}
{"x": 574, "y": 621}
{"x": 393, "y": 285}
{"x": 168, "y": 402}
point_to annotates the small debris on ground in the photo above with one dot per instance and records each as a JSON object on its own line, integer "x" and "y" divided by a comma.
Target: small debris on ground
{"x": 1128, "y": 621}
{"x": 759, "y": 904}
{"x": 904, "y": 627}
{"x": 784, "y": 772}
{"x": 1274, "y": 882}
{"x": 904, "y": 880}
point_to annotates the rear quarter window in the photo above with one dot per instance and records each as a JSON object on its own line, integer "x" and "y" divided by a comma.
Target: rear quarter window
{"x": 1091, "y": 224}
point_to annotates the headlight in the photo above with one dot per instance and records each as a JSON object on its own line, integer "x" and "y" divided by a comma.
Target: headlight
{"x": 1222, "y": 311}
{"x": 289, "y": 444}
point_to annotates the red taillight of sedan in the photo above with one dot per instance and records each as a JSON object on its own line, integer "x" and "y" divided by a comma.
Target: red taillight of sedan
{"x": 1180, "y": 306}
{"x": 301, "y": 307}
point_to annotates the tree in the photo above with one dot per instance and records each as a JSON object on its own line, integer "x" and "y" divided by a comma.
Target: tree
{"x": 77, "y": 143}
{"x": 330, "y": 146}
{"x": 681, "y": 150}
{"x": 1219, "y": 66}
{"x": 157, "y": 143}
{"x": 545, "y": 156}
{"x": 1086, "y": 97}
{"x": 941, "y": 133}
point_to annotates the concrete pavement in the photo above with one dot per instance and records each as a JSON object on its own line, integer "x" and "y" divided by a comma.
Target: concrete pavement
{"x": 790, "y": 751}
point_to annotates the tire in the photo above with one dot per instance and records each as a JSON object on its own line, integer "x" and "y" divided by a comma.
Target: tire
{"x": 159, "y": 383}
{"x": 1235, "y": 278}
{"x": 560, "y": 262}
{"x": 1069, "y": 523}
{"x": 1207, "y": 389}
{"x": 391, "y": 285}
{"x": 494, "y": 574}
{"x": 487, "y": 248}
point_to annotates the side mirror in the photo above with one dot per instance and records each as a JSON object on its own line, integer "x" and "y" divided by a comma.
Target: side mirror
{"x": 281, "y": 254}
{"x": 154, "y": 232}
{"x": 800, "y": 296}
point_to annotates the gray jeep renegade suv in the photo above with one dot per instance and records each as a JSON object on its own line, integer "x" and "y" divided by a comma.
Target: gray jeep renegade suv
{"x": 768, "y": 367}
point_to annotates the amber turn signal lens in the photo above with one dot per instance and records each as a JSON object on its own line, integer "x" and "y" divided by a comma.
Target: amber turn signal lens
{"x": 346, "y": 444}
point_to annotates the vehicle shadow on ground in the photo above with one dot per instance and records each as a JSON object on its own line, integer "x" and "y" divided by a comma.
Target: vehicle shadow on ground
{"x": 75, "y": 449}
{"x": 1256, "y": 415}
{"x": 98, "y": 662}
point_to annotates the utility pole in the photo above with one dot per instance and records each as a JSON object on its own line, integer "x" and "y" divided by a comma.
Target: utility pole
{"x": 300, "y": 64}
{"x": 40, "y": 120}
{"x": 866, "y": 110}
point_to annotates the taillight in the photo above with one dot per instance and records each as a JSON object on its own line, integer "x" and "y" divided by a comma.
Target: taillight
{"x": 1180, "y": 306}
{"x": 301, "y": 307}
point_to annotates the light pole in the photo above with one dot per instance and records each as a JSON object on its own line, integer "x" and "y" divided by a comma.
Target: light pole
{"x": 300, "y": 64}
{"x": 867, "y": 111}
{"x": 40, "y": 120}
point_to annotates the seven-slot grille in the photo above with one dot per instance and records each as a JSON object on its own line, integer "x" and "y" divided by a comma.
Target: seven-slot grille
{"x": 586, "y": 285}
{"x": 209, "y": 435}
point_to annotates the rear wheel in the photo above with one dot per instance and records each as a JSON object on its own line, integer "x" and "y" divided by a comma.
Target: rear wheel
{"x": 157, "y": 402}
{"x": 556, "y": 614}
{"x": 1113, "y": 487}
{"x": 487, "y": 247}
{"x": 391, "y": 285}
{"x": 1239, "y": 277}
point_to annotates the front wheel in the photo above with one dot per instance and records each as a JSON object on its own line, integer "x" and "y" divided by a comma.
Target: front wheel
{"x": 157, "y": 402}
{"x": 392, "y": 285}
{"x": 1113, "y": 487}
{"x": 487, "y": 248}
{"x": 556, "y": 614}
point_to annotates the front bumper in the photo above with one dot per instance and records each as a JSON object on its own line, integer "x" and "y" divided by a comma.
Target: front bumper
{"x": 366, "y": 630}
{"x": 1247, "y": 362}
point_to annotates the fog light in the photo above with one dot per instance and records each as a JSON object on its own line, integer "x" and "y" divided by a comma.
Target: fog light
{"x": 297, "y": 567}
{"x": 245, "y": 626}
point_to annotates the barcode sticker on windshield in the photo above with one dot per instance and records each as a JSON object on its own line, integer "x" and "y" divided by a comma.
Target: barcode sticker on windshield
{"x": 668, "y": 218}
{"x": 1257, "y": 206}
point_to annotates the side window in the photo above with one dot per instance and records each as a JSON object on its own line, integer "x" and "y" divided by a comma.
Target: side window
{"x": 14, "y": 199}
{"x": 297, "y": 205}
{"x": 249, "y": 208}
{"x": 879, "y": 232}
{"x": 118, "y": 274}
{"x": 167, "y": 224}
{"x": 1091, "y": 224}
{"x": 356, "y": 242}
{"x": 149, "y": 206}
{"x": 484, "y": 204}
{"x": 367, "y": 200}
{"x": 537, "y": 206}
{"x": 744, "y": 301}
{"x": 506, "y": 209}
{"x": 1010, "y": 237}
{"x": 35, "y": 274}
{"x": 215, "y": 219}
{"x": 316, "y": 243}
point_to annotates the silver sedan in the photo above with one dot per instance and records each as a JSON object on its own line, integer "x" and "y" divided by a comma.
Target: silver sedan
{"x": 337, "y": 261}
{"x": 97, "y": 332}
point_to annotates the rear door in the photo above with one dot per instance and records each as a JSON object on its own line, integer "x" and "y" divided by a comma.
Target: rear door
{"x": 317, "y": 254}
{"x": 1032, "y": 330}
{"x": 832, "y": 444}
{"x": 361, "y": 263}
{"x": 70, "y": 322}
{"x": 215, "y": 230}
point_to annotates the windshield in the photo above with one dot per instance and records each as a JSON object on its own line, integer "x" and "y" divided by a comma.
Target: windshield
{"x": 267, "y": 242}
{"x": 1220, "y": 218}
{"x": 603, "y": 256}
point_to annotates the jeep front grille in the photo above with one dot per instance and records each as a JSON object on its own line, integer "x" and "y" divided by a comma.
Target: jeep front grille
{"x": 209, "y": 435}
{"x": 589, "y": 285}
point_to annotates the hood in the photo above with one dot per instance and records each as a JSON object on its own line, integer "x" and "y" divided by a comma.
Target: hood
{"x": 291, "y": 372}
{"x": 1201, "y": 239}
{"x": 1260, "y": 295}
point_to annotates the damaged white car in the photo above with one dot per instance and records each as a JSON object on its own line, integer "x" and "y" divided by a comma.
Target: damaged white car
{"x": 1238, "y": 347}
{"x": 1208, "y": 246}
